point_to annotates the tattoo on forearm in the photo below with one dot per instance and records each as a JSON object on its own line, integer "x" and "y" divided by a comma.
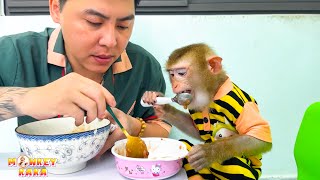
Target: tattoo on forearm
{"x": 8, "y": 108}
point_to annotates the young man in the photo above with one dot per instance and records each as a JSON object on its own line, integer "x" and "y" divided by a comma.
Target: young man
{"x": 80, "y": 67}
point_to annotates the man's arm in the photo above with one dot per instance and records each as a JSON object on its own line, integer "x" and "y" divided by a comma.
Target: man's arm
{"x": 70, "y": 95}
{"x": 8, "y": 97}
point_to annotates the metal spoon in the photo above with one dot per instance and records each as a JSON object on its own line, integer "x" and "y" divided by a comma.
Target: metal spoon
{"x": 181, "y": 98}
{"x": 135, "y": 147}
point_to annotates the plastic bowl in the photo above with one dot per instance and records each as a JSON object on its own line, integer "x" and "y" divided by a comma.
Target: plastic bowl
{"x": 56, "y": 138}
{"x": 165, "y": 159}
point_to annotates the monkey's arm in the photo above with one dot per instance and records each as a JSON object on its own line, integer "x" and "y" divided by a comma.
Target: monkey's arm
{"x": 181, "y": 120}
{"x": 203, "y": 155}
{"x": 254, "y": 138}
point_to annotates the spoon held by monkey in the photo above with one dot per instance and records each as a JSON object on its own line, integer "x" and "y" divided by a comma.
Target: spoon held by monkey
{"x": 183, "y": 99}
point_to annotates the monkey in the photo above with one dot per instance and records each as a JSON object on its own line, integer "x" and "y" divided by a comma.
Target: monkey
{"x": 222, "y": 116}
{"x": 23, "y": 161}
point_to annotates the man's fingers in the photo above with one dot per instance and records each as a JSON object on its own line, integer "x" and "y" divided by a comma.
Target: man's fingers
{"x": 109, "y": 98}
{"x": 88, "y": 105}
{"x": 95, "y": 93}
{"x": 99, "y": 94}
{"x": 74, "y": 111}
{"x": 108, "y": 116}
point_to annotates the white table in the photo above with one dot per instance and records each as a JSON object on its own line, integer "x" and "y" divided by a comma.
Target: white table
{"x": 95, "y": 170}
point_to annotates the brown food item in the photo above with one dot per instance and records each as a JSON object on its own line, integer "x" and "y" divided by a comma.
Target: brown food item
{"x": 136, "y": 148}
{"x": 186, "y": 103}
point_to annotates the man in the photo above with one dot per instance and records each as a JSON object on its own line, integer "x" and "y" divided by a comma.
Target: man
{"x": 80, "y": 68}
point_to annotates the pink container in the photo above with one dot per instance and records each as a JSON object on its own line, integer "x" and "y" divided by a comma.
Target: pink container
{"x": 165, "y": 159}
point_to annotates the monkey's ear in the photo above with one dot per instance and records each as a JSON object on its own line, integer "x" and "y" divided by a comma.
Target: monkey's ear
{"x": 215, "y": 64}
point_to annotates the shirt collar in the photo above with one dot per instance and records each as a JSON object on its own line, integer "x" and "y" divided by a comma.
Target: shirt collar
{"x": 225, "y": 88}
{"x": 57, "y": 54}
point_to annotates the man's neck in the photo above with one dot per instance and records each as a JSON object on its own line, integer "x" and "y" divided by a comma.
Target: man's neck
{"x": 97, "y": 77}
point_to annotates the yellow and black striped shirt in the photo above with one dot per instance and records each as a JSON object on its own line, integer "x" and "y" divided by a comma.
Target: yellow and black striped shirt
{"x": 223, "y": 113}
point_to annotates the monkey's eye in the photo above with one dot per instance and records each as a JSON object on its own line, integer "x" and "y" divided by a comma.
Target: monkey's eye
{"x": 181, "y": 71}
{"x": 178, "y": 73}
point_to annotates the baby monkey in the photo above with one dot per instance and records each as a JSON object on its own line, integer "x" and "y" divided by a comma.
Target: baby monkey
{"x": 223, "y": 116}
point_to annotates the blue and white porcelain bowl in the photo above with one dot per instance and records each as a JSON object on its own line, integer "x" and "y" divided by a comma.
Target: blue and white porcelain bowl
{"x": 60, "y": 138}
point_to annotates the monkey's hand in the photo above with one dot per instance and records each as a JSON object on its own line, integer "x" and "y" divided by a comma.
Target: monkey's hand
{"x": 150, "y": 97}
{"x": 203, "y": 155}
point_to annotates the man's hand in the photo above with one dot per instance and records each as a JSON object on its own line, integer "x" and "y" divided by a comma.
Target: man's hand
{"x": 71, "y": 95}
{"x": 131, "y": 124}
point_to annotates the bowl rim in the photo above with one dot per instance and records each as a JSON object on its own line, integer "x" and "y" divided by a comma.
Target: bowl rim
{"x": 55, "y": 135}
{"x": 146, "y": 159}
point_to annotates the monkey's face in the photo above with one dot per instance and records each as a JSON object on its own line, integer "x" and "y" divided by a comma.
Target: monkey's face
{"x": 185, "y": 78}
{"x": 179, "y": 78}
{"x": 195, "y": 79}
{"x": 197, "y": 70}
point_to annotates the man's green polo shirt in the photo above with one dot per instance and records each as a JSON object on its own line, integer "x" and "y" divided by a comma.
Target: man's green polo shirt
{"x": 23, "y": 63}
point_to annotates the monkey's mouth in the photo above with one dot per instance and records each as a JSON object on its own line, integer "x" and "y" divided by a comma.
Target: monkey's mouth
{"x": 185, "y": 91}
{"x": 183, "y": 98}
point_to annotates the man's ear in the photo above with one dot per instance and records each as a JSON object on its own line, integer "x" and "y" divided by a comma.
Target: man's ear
{"x": 54, "y": 7}
{"x": 215, "y": 64}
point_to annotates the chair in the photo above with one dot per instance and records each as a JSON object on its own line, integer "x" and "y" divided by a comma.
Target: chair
{"x": 307, "y": 145}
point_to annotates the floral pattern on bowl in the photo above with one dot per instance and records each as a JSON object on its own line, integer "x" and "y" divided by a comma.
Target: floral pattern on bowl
{"x": 54, "y": 138}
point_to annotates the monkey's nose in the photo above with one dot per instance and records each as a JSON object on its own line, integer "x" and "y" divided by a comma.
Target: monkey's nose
{"x": 175, "y": 88}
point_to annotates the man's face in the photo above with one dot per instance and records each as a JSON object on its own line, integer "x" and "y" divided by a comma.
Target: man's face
{"x": 96, "y": 32}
